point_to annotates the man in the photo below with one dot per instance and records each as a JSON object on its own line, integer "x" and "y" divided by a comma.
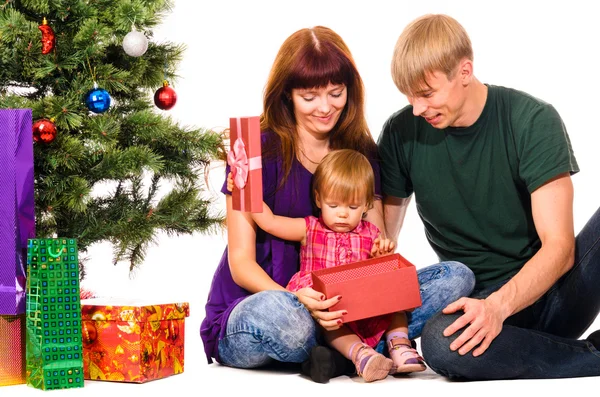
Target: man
{"x": 491, "y": 168}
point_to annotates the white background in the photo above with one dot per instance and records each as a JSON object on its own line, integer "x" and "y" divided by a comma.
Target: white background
{"x": 546, "y": 48}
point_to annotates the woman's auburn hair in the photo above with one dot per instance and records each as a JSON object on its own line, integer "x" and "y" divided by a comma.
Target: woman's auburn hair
{"x": 309, "y": 58}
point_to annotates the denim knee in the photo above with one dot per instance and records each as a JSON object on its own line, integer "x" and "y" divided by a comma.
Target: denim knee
{"x": 292, "y": 325}
{"x": 448, "y": 280}
{"x": 461, "y": 280}
{"x": 278, "y": 321}
{"x": 439, "y": 285}
{"x": 436, "y": 347}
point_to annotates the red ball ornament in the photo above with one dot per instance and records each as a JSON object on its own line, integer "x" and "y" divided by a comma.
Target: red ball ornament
{"x": 44, "y": 131}
{"x": 48, "y": 37}
{"x": 165, "y": 97}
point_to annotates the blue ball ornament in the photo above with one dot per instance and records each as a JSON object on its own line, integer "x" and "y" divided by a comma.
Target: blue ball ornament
{"x": 97, "y": 100}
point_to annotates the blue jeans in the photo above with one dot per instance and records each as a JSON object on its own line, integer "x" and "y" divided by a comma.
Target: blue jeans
{"x": 541, "y": 340}
{"x": 274, "y": 326}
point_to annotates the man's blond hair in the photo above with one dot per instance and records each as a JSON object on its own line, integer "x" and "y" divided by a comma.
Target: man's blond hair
{"x": 431, "y": 43}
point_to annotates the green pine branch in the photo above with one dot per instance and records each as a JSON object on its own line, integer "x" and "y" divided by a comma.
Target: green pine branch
{"x": 122, "y": 176}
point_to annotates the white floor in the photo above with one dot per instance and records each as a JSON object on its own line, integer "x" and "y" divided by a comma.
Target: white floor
{"x": 200, "y": 379}
{"x": 163, "y": 279}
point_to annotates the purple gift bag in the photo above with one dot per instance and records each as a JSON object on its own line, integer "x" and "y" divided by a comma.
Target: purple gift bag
{"x": 17, "y": 212}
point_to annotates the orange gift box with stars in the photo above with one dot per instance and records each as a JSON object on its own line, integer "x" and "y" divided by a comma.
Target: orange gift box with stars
{"x": 129, "y": 341}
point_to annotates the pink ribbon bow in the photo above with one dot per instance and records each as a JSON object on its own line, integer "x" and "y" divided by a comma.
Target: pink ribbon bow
{"x": 238, "y": 161}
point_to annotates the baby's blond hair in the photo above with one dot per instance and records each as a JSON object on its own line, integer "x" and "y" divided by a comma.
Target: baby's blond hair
{"x": 345, "y": 175}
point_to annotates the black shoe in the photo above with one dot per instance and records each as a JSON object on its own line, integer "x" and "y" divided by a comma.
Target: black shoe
{"x": 594, "y": 338}
{"x": 324, "y": 363}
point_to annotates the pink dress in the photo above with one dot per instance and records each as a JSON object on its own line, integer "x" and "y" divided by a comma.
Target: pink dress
{"x": 325, "y": 248}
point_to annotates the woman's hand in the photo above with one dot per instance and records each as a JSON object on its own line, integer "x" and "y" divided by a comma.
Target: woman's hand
{"x": 230, "y": 182}
{"x": 318, "y": 306}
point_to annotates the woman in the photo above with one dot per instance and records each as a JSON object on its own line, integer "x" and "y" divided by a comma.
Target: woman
{"x": 313, "y": 103}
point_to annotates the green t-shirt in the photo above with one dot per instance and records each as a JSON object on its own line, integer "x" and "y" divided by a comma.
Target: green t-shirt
{"x": 472, "y": 185}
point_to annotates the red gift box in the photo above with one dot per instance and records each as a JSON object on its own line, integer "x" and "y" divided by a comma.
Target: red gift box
{"x": 132, "y": 341}
{"x": 12, "y": 349}
{"x": 372, "y": 287}
{"x": 245, "y": 161}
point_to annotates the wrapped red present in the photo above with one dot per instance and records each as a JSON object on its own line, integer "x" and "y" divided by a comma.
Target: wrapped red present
{"x": 245, "y": 161}
{"x": 12, "y": 349}
{"x": 132, "y": 341}
{"x": 373, "y": 287}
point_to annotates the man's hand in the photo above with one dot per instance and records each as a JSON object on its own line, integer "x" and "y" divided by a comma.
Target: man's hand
{"x": 483, "y": 321}
{"x": 382, "y": 246}
{"x": 317, "y": 305}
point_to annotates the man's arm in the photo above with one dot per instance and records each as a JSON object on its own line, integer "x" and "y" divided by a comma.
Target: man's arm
{"x": 394, "y": 211}
{"x": 552, "y": 209}
{"x": 375, "y": 216}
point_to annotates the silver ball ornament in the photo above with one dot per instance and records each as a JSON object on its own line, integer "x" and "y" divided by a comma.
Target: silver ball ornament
{"x": 135, "y": 43}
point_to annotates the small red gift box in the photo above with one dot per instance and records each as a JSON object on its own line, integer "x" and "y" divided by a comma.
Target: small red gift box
{"x": 372, "y": 287}
{"x": 132, "y": 341}
{"x": 245, "y": 161}
{"x": 12, "y": 349}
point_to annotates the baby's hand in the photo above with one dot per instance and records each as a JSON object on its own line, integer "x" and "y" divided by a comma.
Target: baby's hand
{"x": 382, "y": 246}
{"x": 230, "y": 182}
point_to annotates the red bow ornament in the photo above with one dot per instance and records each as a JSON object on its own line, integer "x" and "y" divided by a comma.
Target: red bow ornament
{"x": 238, "y": 161}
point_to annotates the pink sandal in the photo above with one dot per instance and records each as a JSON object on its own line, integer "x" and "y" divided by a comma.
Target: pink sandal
{"x": 406, "y": 359}
{"x": 370, "y": 365}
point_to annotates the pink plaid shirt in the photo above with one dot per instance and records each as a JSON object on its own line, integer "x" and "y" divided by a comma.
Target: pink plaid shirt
{"x": 325, "y": 248}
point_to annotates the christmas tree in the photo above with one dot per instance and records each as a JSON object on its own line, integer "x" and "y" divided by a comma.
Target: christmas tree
{"x": 104, "y": 150}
